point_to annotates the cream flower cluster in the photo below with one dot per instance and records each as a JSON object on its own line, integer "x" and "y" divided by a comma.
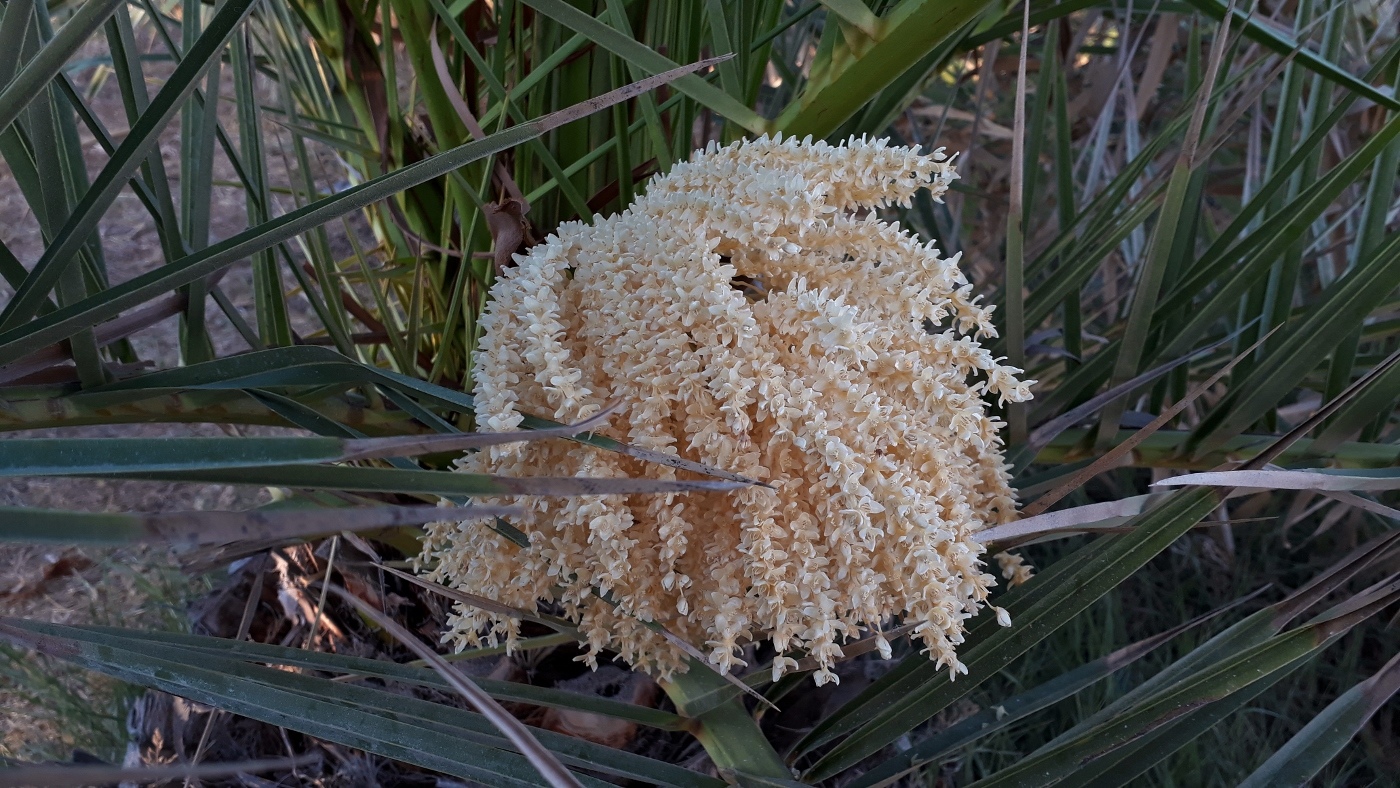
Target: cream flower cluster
{"x": 751, "y": 312}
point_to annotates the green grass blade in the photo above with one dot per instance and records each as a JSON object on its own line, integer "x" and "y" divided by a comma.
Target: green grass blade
{"x": 440, "y": 483}
{"x": 99, "y": 131}
{"x": 1270, "y": 240}
{"x": 1370, "y": 234}
{"x": 425, "y": 715}
{"x": 855, "y": 13}
{"x": 426, "y": 734}
{"x": 513, "y": 729}
{"x": 1283, "y": 281}
{"x": 649, "y": 60}
{"x": 1257, "y": 31}
{"x": 394, "y": 671}
{"x": 319, "y": 282}
{"x": 131, "y": 82}
{"x": 651, "y": 114}
{"x": 1220, "y": 680}
{"x": 308, "y": 418}
{"x": 882, "y": 111}
{"x": 14, "y": 29}
{"x": 313, "y": 366}
{"x": 17, "y": 342}
{"x": 1160, "y": 247}
{"x": 260, "y": 460}
{"x": 719, "y": 29}
{"x": 11, "y": 269}
{"x": 67, "y": 456}
{"x": 74, "y": 456}
{"x": 57, "y": 154}
{"x": 139, "y": 143}
{"x": 1081, "y": 260}
{"x": 1011, "y": 21}
{"x": 910, "y": 674}
{"x": 1340, "y": 311}
{"x": 1125, "y": 202}
{"x": 1298, "y": 761}
{"x": 1015, "y": 708}
{"x": 1236, "y": 236}
{"x": 1247, "y": 633}
{"x": 1126, "y": 763}
{"x": 269, "y": 291}
{"x": 1166, "y": 449}
{"x": 55, "y": 408}
{"x": 1015, "y": 239}
{"x": 1037, "y": 609}
{"x": 507, "y": 101}
{"x": 203, "y": 527}
{"x": 1044, "y": 433}
{"x": 197, "y": 124}
{"x": 36, "y": 75}
{"x": 237, "y": 656}
{"x": 907, "y": 33}
{"x": 1380, "y": 397}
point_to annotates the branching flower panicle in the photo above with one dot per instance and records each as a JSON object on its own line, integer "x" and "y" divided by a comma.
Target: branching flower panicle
{"x": 752, "y": 312}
